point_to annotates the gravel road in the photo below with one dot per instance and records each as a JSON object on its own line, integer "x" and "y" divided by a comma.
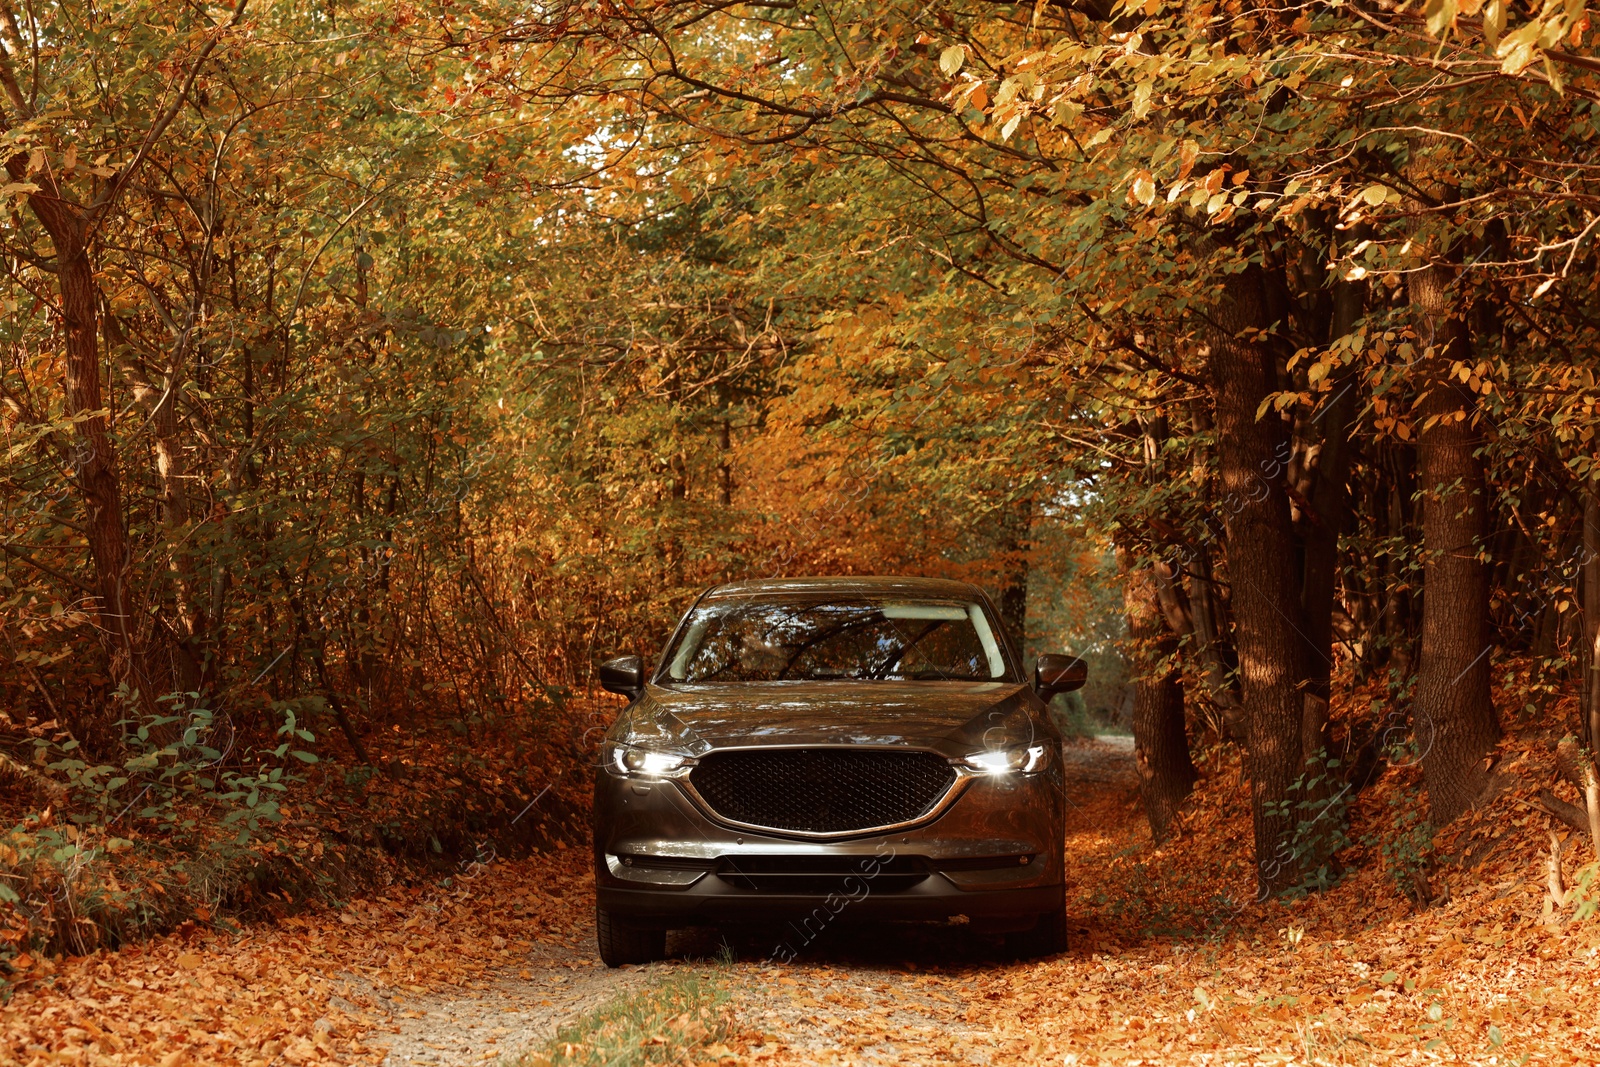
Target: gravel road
{"x": 862, "y": 995}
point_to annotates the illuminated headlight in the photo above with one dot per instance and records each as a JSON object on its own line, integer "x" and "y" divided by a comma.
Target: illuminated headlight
{"x": 1024, "y": 759}
{"x": 631, "y": 761}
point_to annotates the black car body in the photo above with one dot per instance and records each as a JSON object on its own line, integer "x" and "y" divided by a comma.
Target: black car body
{"x": 832, "y": 749}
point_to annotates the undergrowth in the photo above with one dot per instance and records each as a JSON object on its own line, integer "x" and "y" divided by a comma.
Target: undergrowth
{"x": 185, "y": 818}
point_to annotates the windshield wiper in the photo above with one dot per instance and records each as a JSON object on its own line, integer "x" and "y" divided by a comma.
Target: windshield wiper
{"x": 907, "y": 647}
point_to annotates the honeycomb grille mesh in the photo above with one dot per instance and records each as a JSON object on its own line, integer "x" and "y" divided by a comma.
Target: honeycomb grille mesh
{"x": 822, "y": 790}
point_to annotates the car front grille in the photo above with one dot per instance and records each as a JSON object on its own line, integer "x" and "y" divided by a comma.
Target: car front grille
{"x": 822, "y": 790}
{"x": 849, "y": 875}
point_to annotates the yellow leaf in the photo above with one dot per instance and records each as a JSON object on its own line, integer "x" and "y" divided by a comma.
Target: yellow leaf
{"x": 1144, "y": 188}
{"x": 1517, "y": 49}
{"x": 1188, "y": 152}
{"x": 1494, "y": 22}
{"x": 1141, "y": 99}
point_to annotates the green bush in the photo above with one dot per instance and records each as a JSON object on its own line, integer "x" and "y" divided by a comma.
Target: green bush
{"x": 1319, "y": 802}
{"x": 136, "y": 846}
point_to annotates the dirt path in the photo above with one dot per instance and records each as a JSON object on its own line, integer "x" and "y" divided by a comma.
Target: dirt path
{"x": 1172, "y": 962}
{"x": 869, "y": 995}
{"x": 513, "y": 1013}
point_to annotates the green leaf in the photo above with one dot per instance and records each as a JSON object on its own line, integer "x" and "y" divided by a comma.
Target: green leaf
{"x": 951, "y": 58}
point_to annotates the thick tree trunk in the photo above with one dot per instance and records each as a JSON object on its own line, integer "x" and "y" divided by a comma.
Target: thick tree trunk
{"x": 1455, "y": 724}
{"x": 1161, "y": 742}
{"x": 1251, "y": 456}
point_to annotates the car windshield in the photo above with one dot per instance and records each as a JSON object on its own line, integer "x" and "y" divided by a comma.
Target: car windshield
{"x": 836, "y": 638}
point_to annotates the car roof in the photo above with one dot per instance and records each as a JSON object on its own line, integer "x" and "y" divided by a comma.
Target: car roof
{"x": 871, "y": 585}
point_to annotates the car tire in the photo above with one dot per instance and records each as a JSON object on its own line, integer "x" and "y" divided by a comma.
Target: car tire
{"x": 622, "y": 943}
{"x": 1047, "y": 937}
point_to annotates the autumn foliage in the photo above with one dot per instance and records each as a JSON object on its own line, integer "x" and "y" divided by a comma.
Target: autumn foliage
{"x": 371, "y": 370}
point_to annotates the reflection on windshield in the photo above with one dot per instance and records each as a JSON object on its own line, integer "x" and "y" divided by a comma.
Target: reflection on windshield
{"x": 746, "y": 641}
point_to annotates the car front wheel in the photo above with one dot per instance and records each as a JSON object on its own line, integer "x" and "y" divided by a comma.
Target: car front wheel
{"x": 622, "y": 943}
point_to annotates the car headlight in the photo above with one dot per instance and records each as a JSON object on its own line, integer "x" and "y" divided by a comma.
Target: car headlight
{"x": 634, "y": 761}
{"x": 1023, "y": 759}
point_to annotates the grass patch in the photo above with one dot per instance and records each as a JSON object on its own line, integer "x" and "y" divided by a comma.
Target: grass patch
{"x": 686, "y": 1012}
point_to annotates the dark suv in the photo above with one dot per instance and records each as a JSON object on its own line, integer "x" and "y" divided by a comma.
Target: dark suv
{"x": 825, "y": 749}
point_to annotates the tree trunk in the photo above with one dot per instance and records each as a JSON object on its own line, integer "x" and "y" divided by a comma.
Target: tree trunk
{"x": 1251, "y": 457}
{"x": 1455, "y": 724}
{"x": 725, "y": 463}
{"x": 94, "y": 458}
{"x": 1330, "y": 503}
{"x": 1160, "y": 740}
{"x": 1591, "y": 615}
{"x": 1016, "y": 528}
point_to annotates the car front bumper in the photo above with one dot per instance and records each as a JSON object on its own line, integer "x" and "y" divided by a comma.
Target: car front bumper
{"x": 994, "y": 855}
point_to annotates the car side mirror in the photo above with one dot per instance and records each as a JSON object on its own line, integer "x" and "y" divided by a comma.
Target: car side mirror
{"x": 624, "y": 675}
{"x": 1055, "y": 673}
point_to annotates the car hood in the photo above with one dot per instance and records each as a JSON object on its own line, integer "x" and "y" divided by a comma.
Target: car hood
{"x": 951, "y": 717}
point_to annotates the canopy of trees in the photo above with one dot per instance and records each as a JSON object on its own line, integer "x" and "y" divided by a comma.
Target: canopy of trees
{"x": 376, "y": 367}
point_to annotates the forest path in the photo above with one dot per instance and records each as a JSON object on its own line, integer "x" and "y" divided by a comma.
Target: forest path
{"x": 1172, "y": 962}
{"x": 868, "y": 995}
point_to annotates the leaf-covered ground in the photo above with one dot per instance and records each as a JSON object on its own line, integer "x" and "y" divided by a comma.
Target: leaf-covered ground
{"x": 1172, "y": 963}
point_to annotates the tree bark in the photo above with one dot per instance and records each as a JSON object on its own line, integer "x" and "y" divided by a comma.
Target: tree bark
{"x": 725, "y": 463}
{"x": 1251, "y": 458}
{"x": 94, "y": 456}
{"x": 1330, "y": 503}
{"x": 1160, "y": 739}
{"x": 1590, "y": 681}
{"x": 1455, "y": 724}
